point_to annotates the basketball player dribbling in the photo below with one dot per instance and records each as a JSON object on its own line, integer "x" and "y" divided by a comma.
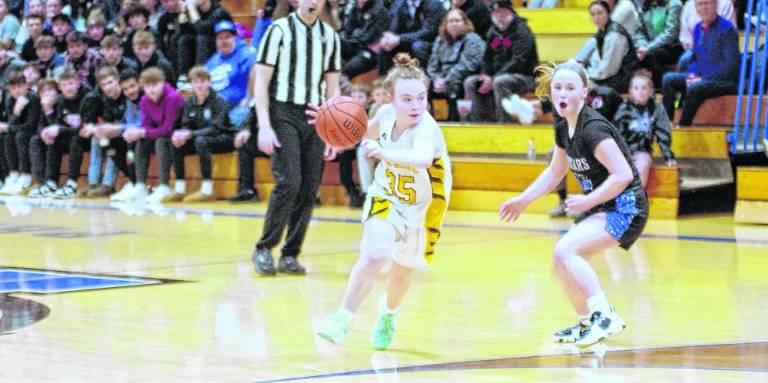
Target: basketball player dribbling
{"x": 405, "y": 205}
{"x": 613, "y": 210}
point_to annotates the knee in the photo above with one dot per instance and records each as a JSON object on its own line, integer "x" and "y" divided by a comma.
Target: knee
{"x": 561, "y": 253}
{"x": 201, "y": 143}
{"x": 373, "y": 256}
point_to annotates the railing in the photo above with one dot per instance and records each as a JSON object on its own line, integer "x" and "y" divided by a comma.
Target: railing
{"x": 747, "y": 131}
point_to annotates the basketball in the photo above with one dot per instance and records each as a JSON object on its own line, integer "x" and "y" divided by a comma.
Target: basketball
{"x": 341, "y": 122}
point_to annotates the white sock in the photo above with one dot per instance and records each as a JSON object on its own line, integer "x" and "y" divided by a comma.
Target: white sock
{"x": 384, "y": 307}
{"x": 163, "y": 188}
{"x": 585, "y": 320}
{"x": 348, "y": 315}
{"x": 207, "y": 187}
{"x": 25, "y": 180}
{"x": 599, "y": 302}
{"x": 181, "y": 186}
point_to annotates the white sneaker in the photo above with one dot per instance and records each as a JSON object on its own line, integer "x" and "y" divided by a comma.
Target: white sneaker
{"x": 45, "y": 190}
{"x": 22, "y": 182}
{"x": 568, "y": 335}
{"x": 10, "y": 182}
{"x": 125, "y": 194}
{"x": 66, "y": 192}
{"x": 139, "y": 195}
{"x": 518, "y": 107}
{"x": 157, "y": 196}
{"x": 602, "y": 327}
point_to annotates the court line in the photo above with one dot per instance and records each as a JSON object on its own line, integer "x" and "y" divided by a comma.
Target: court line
{"x": 495, "y": 363}
{"x": 68, "y": 204}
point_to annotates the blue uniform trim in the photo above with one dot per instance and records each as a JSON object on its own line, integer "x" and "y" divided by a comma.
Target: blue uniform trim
{"x": 618, "y": 221}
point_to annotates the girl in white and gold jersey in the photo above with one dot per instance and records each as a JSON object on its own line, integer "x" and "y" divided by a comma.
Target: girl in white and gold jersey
{"x": 405, "y": 205}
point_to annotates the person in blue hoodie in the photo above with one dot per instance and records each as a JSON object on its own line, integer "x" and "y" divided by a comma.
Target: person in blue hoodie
{"x": 231, "y": 65}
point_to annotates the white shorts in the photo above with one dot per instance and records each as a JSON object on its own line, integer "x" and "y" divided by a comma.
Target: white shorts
{"x": 410, "y": 247}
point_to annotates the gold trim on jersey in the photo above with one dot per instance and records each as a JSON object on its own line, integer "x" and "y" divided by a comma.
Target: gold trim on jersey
{"x": 380, "y": 207}
{"x": 437, "y": 207}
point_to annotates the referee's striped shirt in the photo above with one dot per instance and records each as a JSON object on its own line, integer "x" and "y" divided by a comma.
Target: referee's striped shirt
{"x": 301, "y": 56}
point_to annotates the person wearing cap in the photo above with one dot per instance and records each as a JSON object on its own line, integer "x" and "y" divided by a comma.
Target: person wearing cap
{"x": 231, "y": 64}
{"x": 413, "y": 29}
{"x": 508, "y": 65}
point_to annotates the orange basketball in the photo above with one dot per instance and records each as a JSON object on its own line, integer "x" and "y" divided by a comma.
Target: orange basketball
{"x": 341, "y": 122}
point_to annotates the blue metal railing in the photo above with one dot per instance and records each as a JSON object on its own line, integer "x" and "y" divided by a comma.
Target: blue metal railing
{"x": 747, "y": 131}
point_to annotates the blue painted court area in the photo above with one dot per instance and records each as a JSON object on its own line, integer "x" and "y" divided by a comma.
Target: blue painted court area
{"x": 47, "y": 282}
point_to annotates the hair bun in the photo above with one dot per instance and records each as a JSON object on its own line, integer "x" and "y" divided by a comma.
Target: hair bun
{"x": 404, "y": 60}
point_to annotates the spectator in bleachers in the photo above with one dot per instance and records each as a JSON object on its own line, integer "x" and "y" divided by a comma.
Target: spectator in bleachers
{"x": 8, "y": 65}
{"x": 456, "y": 54}
{"x": 641, "y": 120}
{"x": 508, "y": 65}
{"x": 359, "y": 92}
{"x": 9, "y": 26}
{"x": 22, "y": 108}
{"x": 63, "y": 135}
{"x": 379, "y": 96}
{"x": 365, "y": 166}
{"x": 627, "y": 14}
{"x": 129, "y": 84}
{"x": 78, "y": 11}
{"x": 413, "y": 28}
{"x": 112, "y": 51}
{"x": 34, "y": 7}
{"x": 714, "y": 67}
{"x": 3, "y": 136}
{"x": 688, "y": 20}
{"x": 247, "y": 150}
{"x": 657, "y": 41}
{"x": 360, "y": 32}
{"x": 477, "y": 12}
{"x": 613, "y": 60}
{"x": 49, "y": 61}
{"x": 85, "y": 61}
{"x": 154, "y": 14}
{"x": 203, "y": 16}
{"x": 103, "y": 99}
{"x": 53, "y": 8}
{"x": 96, "y": 29}
{"x": 176, "y": 38}
{"x": 160, "y": 106}
{"x": 34, "y": 30}
{"x": 61, "y": 25}
{"x": 231, "y": 65}
{"x": 33, "y": 74}
{"x": 49, "y": 95}
{"x": 147, "y": 56}
{"x": 204, "y": 130}
{"x": 263, "y": 20}
{"x": 138, "y": 21}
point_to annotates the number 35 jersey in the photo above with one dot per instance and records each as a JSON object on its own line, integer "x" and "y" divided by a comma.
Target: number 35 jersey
{"x": 406, "y": 195}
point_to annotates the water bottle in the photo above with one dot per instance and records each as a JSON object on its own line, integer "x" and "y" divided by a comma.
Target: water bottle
{"x": 531, "y": 150}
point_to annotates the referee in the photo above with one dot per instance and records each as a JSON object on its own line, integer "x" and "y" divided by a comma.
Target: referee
{"x": 298, "y": 63}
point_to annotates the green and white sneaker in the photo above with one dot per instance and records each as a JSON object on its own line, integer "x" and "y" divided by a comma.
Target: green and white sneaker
{"x": 334, "y": 327}
{"x": 384, "y": 331}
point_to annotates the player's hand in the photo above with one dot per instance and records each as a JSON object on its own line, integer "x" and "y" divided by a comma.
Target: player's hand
{"x": 511, "y": 210}
{"x": 312, "y": 112}
{"x": 372, "y": 149}
{"x": 242, "y": 137}
{"x": 577, "y": 203}
{"x": 267, "y": 140}
{"x": 671, "y": 162}
{"x": 21, "y": 103}
{"x": 330, "y": 153}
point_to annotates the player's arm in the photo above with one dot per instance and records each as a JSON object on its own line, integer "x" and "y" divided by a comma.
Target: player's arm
{"x": 332, "y": 84}
{"x": 421, "y": 156}
{"x": 267, "y": 140}
{"x": 620, "y": 176}
{"x": 545, "y": 182}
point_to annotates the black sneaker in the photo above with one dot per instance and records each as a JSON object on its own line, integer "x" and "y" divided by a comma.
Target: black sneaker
{"x": 289, "y": 265}
{"x": 249, "y": 195}
{"x": 262, "y": 260}
{"x": 356, "y": 200}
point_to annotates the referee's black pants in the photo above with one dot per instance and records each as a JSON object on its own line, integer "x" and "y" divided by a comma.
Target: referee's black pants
{"x": 297, "y": 168}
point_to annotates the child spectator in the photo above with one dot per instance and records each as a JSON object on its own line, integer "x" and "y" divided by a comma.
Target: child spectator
{"x": 204, "y": 130}
{"x": 641, "y": 120}
{"x": 160, "y": 106}
{"x": 23, "y": 113}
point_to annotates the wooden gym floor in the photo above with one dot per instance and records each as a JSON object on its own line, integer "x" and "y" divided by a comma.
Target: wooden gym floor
{"x": 98, "y": 293}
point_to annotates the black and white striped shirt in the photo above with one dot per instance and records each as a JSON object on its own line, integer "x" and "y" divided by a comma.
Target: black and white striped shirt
{"x": 301, "y": 56}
